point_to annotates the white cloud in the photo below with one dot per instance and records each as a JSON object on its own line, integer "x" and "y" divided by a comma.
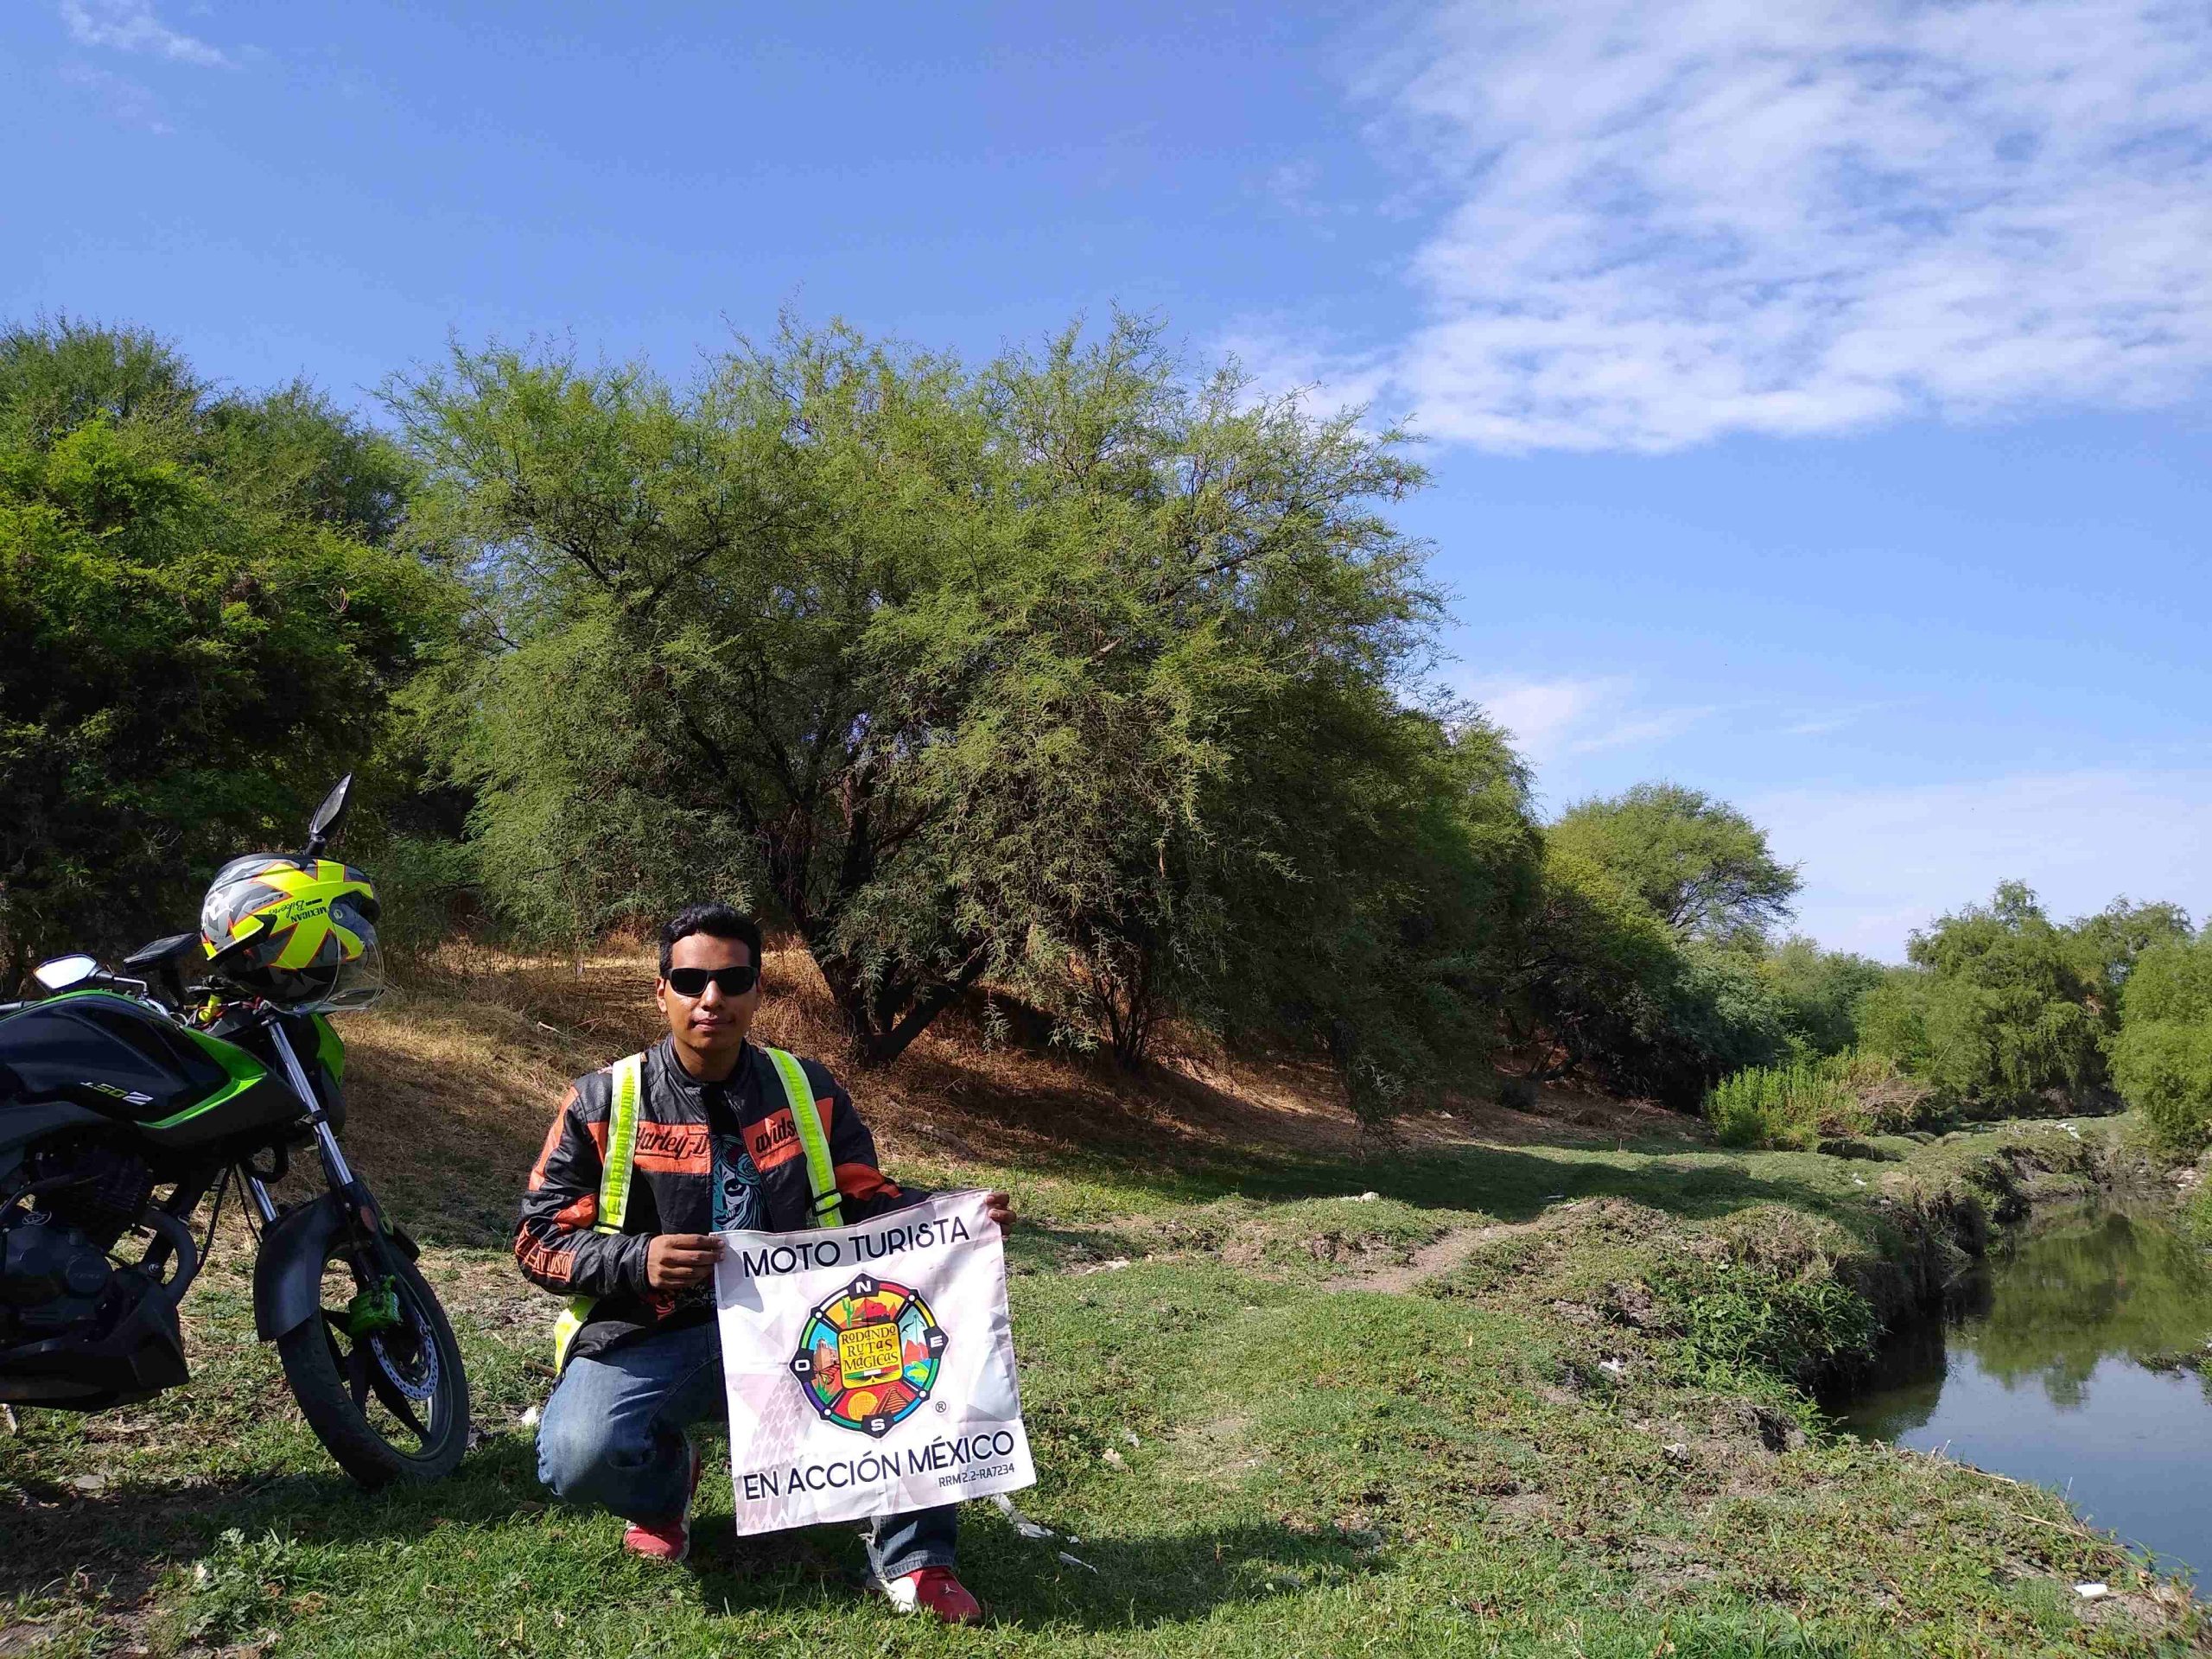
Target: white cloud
{"x": 132, "y": 26}
{"x": 122, "y": 99}
{"x": 1293, "y": 185}
{"x": 1543, "y": 716}
{"x": 1282, "y": 361}
{"x": 1554, "y": 720}
{"x": 1879, "y": 862}
{"x": 1823, "y": 721}
{"x": 1668, "y": 222}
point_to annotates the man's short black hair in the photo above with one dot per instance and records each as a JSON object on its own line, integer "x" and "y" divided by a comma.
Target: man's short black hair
{"x": 716, "y": 921}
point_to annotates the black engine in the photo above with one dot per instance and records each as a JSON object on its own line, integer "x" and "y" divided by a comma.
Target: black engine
{"x": 51, "y": 1276}
{"x": 75, "y": 1329}
{"x": 95, "y": 1188}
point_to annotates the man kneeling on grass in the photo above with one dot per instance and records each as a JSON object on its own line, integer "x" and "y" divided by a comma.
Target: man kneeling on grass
{"x": 647, "y": 1160}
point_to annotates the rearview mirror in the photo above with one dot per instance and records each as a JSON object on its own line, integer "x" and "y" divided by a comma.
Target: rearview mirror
{"x": 63, "y": 972}
{"x": 330, "y": 815}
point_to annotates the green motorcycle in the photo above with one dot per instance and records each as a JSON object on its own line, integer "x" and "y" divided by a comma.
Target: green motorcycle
{"x": 204, "y": 1063}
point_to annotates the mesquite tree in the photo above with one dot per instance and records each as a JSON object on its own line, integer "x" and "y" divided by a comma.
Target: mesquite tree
{"x": 944, "y": 665}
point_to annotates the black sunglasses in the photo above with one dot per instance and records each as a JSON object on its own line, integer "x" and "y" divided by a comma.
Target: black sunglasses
{"x": 689, "y": 982}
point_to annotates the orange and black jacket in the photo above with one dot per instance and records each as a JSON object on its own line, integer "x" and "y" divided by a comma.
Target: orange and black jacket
{"x": 672, "y": 1186}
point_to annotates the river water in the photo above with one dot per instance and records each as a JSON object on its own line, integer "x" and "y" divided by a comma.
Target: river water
{"x": 2059, "y": 1363}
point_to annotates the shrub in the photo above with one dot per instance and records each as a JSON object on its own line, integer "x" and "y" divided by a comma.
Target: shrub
{"x": 425, "y": 886}
{"x": 1999, "y": 1018}
{"x": 1777, "y": 1105}
{"x": 201, "y": 631}
{"x": 1605, "y": 986}
{"x": 2170, "y": 981}
{"x": 1892, "y": 1019}
{"x": 1805, "y": 1101}
{"x": 1589, "y": 988}
{"x": 2196, "y": 1214}
{"x": 1725, "y": 1013}
{"x": 1819, "y": 990}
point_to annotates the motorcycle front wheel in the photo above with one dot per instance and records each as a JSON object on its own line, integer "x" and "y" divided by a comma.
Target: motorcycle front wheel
{"x": 378, "y": 1374}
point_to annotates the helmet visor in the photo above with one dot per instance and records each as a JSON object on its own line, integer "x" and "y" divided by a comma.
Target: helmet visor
{"x": 347, "y": 971}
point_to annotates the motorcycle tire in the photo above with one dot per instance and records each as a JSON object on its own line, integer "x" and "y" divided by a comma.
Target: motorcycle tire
{"x": 412, "y": 1373}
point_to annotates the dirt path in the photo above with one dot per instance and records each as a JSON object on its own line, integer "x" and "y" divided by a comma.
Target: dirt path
{"x": 1431, "y": 1261}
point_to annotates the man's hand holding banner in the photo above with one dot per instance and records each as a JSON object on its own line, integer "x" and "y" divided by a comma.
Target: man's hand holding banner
{"x": 870, "y": 1368}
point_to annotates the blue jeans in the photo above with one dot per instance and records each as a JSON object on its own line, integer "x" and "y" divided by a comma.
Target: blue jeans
{"x": 613, "y": 1435}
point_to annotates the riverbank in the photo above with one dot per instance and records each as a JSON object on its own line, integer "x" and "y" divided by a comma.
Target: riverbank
{"x": 2073, "y": 1355}
{"x": 1522, "y": 1383}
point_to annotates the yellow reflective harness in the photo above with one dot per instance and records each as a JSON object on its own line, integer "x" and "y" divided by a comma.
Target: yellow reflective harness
{"x": 621, "y": 1155}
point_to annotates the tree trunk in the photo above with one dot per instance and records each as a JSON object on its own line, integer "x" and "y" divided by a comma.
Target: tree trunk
{"x": 1131, "y": 1010}
{"x": 885, "y": 1014}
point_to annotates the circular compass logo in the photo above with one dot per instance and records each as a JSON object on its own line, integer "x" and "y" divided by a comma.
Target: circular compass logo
{"x": 869, "y": 1356}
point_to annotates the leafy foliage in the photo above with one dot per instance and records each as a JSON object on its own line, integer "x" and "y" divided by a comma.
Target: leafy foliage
{"x": 2162, "y": 1055}
{"x": 1820, "y": 991}
{"x": 1701, "y": 866}
{"x": 1774, "y": 1105}
{"x": 1050, "y": 669}
{"x": 199, "y": 640}
{"x": 2108, "y": 945}
{"x": 1801, "y": 1102}
{"x": 1072, "y": 670}
{"x": 2001, "y": 1019}
{"x": 1587, "y": 990}
{"x": 1605, "y": 985}
{"x": 1368, "y": 867}
{"x": 1742, "y": 1319}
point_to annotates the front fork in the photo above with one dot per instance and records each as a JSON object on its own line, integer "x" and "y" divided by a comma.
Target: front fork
{"x": 360, "y": 1204}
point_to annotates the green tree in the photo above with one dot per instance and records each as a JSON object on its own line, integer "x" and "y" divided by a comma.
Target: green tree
{"x": 56, "y": 376}
{"x": 948, "y": 668}
{"x": 1820, "y": 991}
{"x": 1891, "y": 1019}
{"x": 2107, "y": 944}
{"x": 1604, "y": 987}
{"x": 2000, "y": 1020}
{"x": 1724, "y": 1012}
{"x": 1367, "y": 867}
{"x": 292, "y": 453}
{"x": 1700, "y": 865}
{"x": 289, "y": 452}
{"x": 1583, "y": 991}
{"x": 2162, "y": 1054}
{"x": 191, "y": 661}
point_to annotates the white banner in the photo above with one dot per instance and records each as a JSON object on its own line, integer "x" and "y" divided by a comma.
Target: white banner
{"x": 870, "y": 1368}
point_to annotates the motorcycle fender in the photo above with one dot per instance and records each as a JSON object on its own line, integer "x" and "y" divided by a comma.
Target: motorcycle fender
{"x": 287, "y": 1274}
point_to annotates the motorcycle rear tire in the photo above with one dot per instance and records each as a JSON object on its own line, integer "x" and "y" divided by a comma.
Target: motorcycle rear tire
{"x": 312, "y": 1371}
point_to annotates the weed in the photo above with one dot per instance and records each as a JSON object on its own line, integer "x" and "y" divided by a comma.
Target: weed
{"x": 243, "y": 1585}
{"x": 1743, "y": 1321}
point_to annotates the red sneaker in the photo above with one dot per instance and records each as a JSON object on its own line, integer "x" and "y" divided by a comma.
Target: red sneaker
{"x": 932, "y": 1590}
{"x": 666, "y": 1540}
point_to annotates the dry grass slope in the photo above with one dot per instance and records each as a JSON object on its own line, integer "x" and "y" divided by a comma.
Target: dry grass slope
{"x": 454, "y": 1081}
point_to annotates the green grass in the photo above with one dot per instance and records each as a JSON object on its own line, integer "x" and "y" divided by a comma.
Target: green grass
{"x": 1580, "y": 1437}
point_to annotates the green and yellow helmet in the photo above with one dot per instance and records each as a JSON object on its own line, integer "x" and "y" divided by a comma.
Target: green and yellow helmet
{"x": 298, "y": 931}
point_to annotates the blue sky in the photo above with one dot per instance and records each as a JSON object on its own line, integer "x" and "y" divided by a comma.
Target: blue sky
{"x": 1816, "y": 390}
